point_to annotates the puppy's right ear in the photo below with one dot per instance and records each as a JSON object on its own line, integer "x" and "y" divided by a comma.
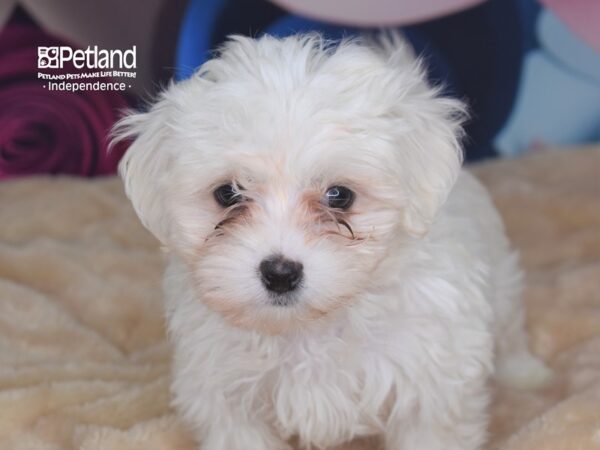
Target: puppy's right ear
{"x": 146, "y": 165}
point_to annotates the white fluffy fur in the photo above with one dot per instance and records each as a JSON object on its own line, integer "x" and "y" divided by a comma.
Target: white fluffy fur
{"x": 394, "y": 328}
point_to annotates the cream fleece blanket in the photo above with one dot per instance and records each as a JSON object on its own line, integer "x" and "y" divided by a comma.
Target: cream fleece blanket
{"x": 83, "y": 359}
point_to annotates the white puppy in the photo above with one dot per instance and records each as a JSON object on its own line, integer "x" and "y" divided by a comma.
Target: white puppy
{"x": 333, "y": 273}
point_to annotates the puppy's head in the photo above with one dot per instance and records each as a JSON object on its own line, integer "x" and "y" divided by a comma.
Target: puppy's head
{"x": 285, "y": 171}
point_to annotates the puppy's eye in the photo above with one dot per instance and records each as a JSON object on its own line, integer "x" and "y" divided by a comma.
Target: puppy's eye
{"x": 227, "y": 195}
{"x": 339, "y": 197}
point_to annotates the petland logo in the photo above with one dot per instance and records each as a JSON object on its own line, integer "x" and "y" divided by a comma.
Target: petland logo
{"x": 104, "y": 65}
{"x": 90, "y": 58}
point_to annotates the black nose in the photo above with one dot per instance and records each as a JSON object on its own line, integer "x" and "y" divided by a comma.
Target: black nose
{"x": 280, "y": 275}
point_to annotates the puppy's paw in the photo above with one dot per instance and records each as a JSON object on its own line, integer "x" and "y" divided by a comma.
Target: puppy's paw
{"x": 523, "y": 371}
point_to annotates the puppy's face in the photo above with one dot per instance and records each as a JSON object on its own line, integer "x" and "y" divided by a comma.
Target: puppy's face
{"x": 284, "y": 173}
{"x": 289, "y": 227}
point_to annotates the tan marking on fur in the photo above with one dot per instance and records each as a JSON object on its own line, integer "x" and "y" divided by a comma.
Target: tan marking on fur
{"x": 335, "y": 305}
{"x": 237, "y": 215}
{"x": 244, "y": 317}
{"x": 320, "y": 216}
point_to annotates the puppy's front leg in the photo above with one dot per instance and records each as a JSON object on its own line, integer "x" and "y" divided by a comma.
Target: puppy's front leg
{"x": 428, "y": 436}
{"x": 435, "y": 426}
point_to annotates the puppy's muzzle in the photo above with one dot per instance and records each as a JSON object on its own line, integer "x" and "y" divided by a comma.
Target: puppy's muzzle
{"x": 280, "y": 275}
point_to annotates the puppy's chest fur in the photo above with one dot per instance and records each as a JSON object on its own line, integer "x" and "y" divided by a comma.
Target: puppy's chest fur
{"x": 325, "y": 389}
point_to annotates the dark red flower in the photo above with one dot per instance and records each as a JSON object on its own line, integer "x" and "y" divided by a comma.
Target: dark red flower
{"x": 43, "y": 131}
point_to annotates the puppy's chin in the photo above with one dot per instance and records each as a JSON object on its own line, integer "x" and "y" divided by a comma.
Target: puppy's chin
{"x": 272, "y": 318}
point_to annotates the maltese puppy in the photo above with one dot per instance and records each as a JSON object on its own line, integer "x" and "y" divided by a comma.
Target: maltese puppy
{"x": 333, "y": 273}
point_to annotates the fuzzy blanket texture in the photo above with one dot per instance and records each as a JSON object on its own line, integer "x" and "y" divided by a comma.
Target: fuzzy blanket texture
{"x": 83, "y": 358}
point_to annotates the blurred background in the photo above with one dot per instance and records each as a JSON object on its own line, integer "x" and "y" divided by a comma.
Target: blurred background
{"x": 84, "y": 363}
{"x": 529, "y": 69}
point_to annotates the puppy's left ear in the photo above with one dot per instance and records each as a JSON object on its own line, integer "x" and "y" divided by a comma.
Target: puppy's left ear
{"x": 433, "y": 157}
{"x": 145, "y": 166}
{"x": 429, "y": 135}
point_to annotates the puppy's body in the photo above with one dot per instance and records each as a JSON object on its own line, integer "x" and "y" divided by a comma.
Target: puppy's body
{"x": 405, "y": 290}
{"x": 410, "y": 359}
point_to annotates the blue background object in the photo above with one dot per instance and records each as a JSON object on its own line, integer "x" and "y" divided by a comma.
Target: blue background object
{"x": 528, "y": 81}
